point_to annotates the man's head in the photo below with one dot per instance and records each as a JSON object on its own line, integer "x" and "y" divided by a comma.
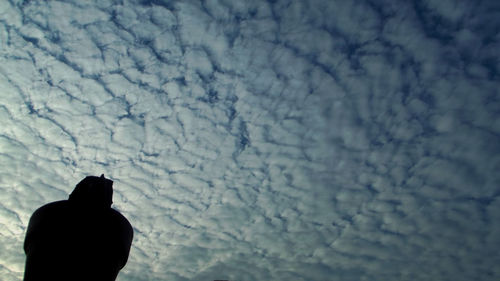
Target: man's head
{"x": 93, "y": 192}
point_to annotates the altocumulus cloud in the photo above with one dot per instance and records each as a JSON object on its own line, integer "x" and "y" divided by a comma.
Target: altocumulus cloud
{"x": 261, "y": 140}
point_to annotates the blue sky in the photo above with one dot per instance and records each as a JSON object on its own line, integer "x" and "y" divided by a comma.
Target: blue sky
{"x": 261, "y": 140}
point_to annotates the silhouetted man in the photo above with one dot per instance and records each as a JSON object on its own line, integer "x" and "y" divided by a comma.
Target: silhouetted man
{"x": 81, "y": 238}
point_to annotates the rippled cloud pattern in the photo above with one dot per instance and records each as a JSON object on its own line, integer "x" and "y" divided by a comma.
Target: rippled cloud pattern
{"x": 261, "y": 140}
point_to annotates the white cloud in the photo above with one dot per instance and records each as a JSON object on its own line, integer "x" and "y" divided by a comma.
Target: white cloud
{"x": 279, "y": 140}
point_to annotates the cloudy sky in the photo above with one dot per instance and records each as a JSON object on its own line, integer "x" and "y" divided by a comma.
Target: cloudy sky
{"x": 261, "y": 140}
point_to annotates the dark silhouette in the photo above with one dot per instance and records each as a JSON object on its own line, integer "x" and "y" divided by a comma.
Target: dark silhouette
{"x": 81, "y": 238}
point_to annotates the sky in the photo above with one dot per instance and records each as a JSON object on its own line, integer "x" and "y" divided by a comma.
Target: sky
{"x": 261, "y": 140}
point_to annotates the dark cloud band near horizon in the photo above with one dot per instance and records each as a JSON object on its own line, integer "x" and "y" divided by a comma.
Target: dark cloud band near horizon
{"x": 261, "y": 140}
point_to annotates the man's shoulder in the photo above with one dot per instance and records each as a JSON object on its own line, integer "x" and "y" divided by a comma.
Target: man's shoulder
{"x": 122, "y": 221}
{"x": 56, "y": 206}
{"x": 117, "y": 215}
